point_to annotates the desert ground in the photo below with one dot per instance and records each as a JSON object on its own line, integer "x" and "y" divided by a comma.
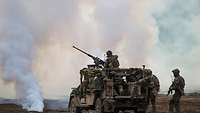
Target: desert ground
{"x": 189, "y": 104}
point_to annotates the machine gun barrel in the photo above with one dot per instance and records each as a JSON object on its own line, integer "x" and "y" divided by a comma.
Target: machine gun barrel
{"x": 97, "y": 60}
{"x": 83, "y": 52}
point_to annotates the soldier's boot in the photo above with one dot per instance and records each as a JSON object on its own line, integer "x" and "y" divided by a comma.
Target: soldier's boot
{"x": 171, "y": 107}
{"x": 177, "y": 108}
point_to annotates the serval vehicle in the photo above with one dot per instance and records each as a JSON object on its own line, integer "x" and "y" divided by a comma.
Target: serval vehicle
{"x": 110, "y": 90}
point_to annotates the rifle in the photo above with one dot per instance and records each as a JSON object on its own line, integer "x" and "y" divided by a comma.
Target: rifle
{"x": 169, "y": 92}
{"x": 97, "y": 60}
{"x": 171, "y": 88}
{"x": 172, "y": 85}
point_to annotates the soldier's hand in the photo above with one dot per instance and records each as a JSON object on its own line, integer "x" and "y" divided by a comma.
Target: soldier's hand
{"x": 169, "y": 92}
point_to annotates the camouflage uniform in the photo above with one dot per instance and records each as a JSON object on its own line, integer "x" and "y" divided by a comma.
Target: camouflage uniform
{"x": 111, "y": 61}
{"x": 154, "y": 89}
{"x": 177, "y": 85}
{"x": 99, "y": 81}
{"x": 87, "y": 78}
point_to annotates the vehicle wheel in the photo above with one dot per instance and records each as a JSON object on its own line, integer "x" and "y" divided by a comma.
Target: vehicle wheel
{"x": 73, "y": 104}
{"x": 98, "y": 106}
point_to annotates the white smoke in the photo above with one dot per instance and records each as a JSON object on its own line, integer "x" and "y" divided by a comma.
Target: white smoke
{"x": 123, "y": 26}
{"x": 16, "y": 48}
{"x": 16, "y": 55}
{"x": 178, "y": 43}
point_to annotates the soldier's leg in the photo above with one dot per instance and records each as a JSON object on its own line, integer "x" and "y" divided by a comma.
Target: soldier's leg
{"x": 177, "y": 103}
{"x": 153, "y": 103}
{"x": 177, "y": 107}
{"x": 171, "y": 105}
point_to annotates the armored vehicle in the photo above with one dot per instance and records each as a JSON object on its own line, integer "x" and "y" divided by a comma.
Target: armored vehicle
{"x": 112, "y": 90}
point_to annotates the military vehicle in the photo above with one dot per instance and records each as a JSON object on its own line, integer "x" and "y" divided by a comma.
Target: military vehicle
{"x": 110, "y": 90}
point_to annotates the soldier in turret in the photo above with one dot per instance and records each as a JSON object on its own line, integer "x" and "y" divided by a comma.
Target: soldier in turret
{"x": 178, "y": 86}
{"x": 111, "y": 61}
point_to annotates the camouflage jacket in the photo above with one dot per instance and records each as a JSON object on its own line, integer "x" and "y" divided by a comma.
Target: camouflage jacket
{"x": 154, "y": 85}
{"x": 178, "y": 85}
{"x": 112, "y": 62}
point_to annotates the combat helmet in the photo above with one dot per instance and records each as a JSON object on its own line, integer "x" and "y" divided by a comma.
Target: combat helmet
{"x": 176, "y": 71}
{"x": 109, "y": 53}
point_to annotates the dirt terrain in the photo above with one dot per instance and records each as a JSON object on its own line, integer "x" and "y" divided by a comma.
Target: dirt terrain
{"x": 189, "y": 104}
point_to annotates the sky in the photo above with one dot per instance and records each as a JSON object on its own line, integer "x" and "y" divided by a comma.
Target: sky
{"x": 162, "y": 34}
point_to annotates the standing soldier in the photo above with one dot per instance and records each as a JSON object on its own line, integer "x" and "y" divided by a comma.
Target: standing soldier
{"x": 178, "y": 86}
{"x": 154, "y": 89}
{"x": 111, "y": 61}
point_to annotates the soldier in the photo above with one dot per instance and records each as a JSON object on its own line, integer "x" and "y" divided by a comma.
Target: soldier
{"x": 178, "y": 86}
{"x": 111, "y": 61}
{"x": 154, "y": 88}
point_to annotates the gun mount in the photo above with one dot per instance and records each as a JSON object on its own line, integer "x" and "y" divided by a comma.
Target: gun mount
{"x": 97, "y": 61}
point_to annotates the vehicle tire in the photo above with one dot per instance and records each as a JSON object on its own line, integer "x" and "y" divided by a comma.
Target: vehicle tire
{"x": 98, "y": 106}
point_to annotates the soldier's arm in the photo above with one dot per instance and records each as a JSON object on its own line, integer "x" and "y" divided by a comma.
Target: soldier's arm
{"x": 172, "y": 87}
{"x": 106, "y": 63}
{"x": 116, "y": 61}
{"x": 157, "y": 83}
{"x": 174, "y": 84}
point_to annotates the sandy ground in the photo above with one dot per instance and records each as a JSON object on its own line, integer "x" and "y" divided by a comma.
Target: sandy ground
{"x": 189, "y": 104}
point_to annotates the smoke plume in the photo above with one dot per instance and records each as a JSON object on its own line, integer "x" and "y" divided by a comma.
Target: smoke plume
{"x": 16, "y": 54}
{"x": 178, "y": 43}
